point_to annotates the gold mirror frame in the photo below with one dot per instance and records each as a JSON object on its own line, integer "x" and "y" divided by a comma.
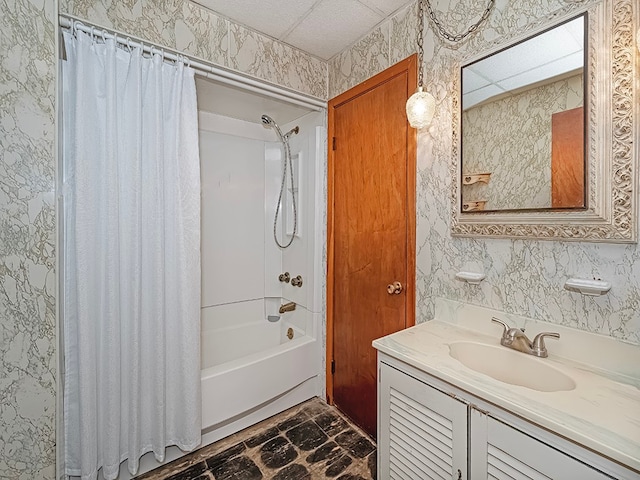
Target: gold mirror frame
{"x": 613, "y": 109}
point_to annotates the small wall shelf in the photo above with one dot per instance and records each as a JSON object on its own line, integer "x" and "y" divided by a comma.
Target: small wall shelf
{"x": 471, "y": 278}
{"x": 476, "y": 206}
{"x": 593, "y": 288}
{"x": 472, "y": 178}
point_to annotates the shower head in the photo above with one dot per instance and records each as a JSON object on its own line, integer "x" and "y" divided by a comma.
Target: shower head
{"x": 267, "y": 121}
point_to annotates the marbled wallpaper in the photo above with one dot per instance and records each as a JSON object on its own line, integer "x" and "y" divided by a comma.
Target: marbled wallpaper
{"x": 510, "y": 137}
{"x": 187, "y": 27}
{"x": 523, "y": 277}
{"x": 27, "y": 240}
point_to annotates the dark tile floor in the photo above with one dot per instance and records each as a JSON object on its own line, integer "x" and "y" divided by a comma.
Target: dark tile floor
{"x": 309, "y": 441}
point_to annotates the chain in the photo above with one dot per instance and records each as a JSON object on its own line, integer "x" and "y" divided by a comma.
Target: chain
{"x": 456, "y": 38}
{"x": 420, "y": 39}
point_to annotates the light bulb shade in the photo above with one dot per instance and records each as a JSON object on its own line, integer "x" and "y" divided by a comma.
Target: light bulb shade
{"x": 420, "y": 109}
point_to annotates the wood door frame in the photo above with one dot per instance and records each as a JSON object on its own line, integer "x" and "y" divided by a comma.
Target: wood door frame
{"x": 409, "y": 66}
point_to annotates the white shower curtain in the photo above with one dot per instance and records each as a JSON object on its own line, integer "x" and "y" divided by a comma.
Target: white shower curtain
{"x": 131, "y": 186}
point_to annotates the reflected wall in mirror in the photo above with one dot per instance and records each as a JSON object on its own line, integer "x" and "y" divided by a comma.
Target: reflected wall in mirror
{"x": 611, "y": 107}
{"x": 523, "y": 123}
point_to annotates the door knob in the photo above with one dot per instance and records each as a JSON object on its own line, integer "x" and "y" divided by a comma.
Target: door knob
{"x": 394, "y": 288}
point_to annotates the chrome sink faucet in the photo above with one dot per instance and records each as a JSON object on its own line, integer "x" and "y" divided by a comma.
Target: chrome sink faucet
{"x": 515, "y": 338}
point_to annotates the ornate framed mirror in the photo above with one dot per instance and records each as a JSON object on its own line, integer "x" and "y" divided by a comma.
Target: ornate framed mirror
{"x": 544, "y": 131}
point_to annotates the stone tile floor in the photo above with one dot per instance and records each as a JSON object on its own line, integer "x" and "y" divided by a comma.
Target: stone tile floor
{"x": 310, "y": 441}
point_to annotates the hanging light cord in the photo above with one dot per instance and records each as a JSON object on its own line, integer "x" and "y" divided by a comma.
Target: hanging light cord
{"x": 420, "y": 40}
{"x": 449, "y": 36}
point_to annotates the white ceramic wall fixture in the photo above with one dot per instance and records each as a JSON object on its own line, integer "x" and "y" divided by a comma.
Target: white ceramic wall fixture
{"x": 592, "y": 288}
{"x": 472, "y": 278}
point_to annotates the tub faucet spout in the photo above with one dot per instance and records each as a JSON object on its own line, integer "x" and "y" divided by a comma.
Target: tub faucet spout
{"x": 287, "y": 307}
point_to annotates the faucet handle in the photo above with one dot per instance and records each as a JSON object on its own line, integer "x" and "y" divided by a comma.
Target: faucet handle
{"x": 506, "y": 327}
{"x": 538, "y": 346}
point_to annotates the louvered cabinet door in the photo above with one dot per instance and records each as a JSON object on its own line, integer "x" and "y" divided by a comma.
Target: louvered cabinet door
{"x": 422, "y": 431}
{"x": 500, "y": 452}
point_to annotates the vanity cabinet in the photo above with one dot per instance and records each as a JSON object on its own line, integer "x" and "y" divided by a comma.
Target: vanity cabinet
{"x": 428, "y": 429}
{"x": 503, "y": 452}
{"x": 422, "y": 432}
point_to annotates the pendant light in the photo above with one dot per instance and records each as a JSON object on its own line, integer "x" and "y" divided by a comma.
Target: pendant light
{"x": 421, "y": 106}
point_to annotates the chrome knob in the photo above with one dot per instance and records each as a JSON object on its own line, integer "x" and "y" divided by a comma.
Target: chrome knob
{"x": 394, "y": 288}
{"x": 284, "y": 277}
{"x": 296, "y": 281}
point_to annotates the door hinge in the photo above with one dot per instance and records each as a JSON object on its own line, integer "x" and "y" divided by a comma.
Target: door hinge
{"x": 333, "y": 367}
{"x": 333, "y": 142}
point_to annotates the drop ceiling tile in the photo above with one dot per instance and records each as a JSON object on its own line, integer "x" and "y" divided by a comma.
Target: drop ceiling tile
{"x": 545, "y": 72}
{"x": 576, "y": 30}
{"x": 332, "y": 26}
{"x": 387, "y": 7}
{"x": 471, "y": 81}
{"x": 470, "y": 100}
{"x": 272, "y": 17}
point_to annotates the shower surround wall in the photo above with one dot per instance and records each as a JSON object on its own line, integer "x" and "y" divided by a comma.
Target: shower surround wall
{"x": 524, "y": 277}
{"x": 28, "y": 351}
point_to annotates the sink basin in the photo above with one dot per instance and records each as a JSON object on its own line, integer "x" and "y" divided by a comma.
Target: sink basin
{"x": 510, "y": 366}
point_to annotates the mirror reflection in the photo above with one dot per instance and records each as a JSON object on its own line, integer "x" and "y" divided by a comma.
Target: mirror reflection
{"x": 523, "y": 123}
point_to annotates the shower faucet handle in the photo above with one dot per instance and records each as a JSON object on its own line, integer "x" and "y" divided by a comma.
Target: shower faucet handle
{"x": 296, "y": 281}
{"x": 284, "y": 277}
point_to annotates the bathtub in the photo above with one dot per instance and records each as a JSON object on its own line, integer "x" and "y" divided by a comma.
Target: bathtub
{"x": 252, "y": 370}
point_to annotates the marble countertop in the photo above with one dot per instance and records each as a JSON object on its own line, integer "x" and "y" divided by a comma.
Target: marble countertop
{"x": 601, "y": 413}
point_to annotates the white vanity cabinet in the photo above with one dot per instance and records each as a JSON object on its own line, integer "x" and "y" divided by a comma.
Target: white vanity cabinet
{"x": 422, "y": 433}
{"x": 500, "y": 451}
{"x": 428, "y": 429}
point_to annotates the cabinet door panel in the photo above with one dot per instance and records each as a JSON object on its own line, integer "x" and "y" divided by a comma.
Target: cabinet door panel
{"x": 501, "y": 452}
{"x": 423, "y": 432}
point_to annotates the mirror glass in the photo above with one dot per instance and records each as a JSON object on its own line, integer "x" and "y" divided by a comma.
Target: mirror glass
{"x": 523, "y": 125}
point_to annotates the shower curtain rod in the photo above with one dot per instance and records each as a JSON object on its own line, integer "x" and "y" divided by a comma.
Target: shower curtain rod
{"x": 216, "y": 73}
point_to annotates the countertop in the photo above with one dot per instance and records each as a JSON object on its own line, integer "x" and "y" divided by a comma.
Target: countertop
{"x": 601, "y": 413}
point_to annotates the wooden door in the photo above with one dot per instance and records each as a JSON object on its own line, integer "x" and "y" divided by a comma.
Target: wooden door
{"x": 371, "y": 233}
{"x": 567, "y": 159}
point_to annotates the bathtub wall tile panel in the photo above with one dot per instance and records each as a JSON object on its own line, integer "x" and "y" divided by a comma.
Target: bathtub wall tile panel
{"x": 524, "y": 277}
{"x": 190, "y": 28}
{"x": 302, "y": 258}
{"x": 27, "y": 240}
{"x": 233, "y": 193}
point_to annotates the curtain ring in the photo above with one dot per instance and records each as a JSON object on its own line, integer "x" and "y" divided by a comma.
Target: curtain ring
{"x": 129, "y": 44}
{"x": 162, "y": 53}
{"x": 104, "y": 36}
{"x": 93, "y": 35}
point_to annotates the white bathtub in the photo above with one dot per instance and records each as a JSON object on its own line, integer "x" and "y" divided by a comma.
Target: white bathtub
{"x": 251, "y": 367}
